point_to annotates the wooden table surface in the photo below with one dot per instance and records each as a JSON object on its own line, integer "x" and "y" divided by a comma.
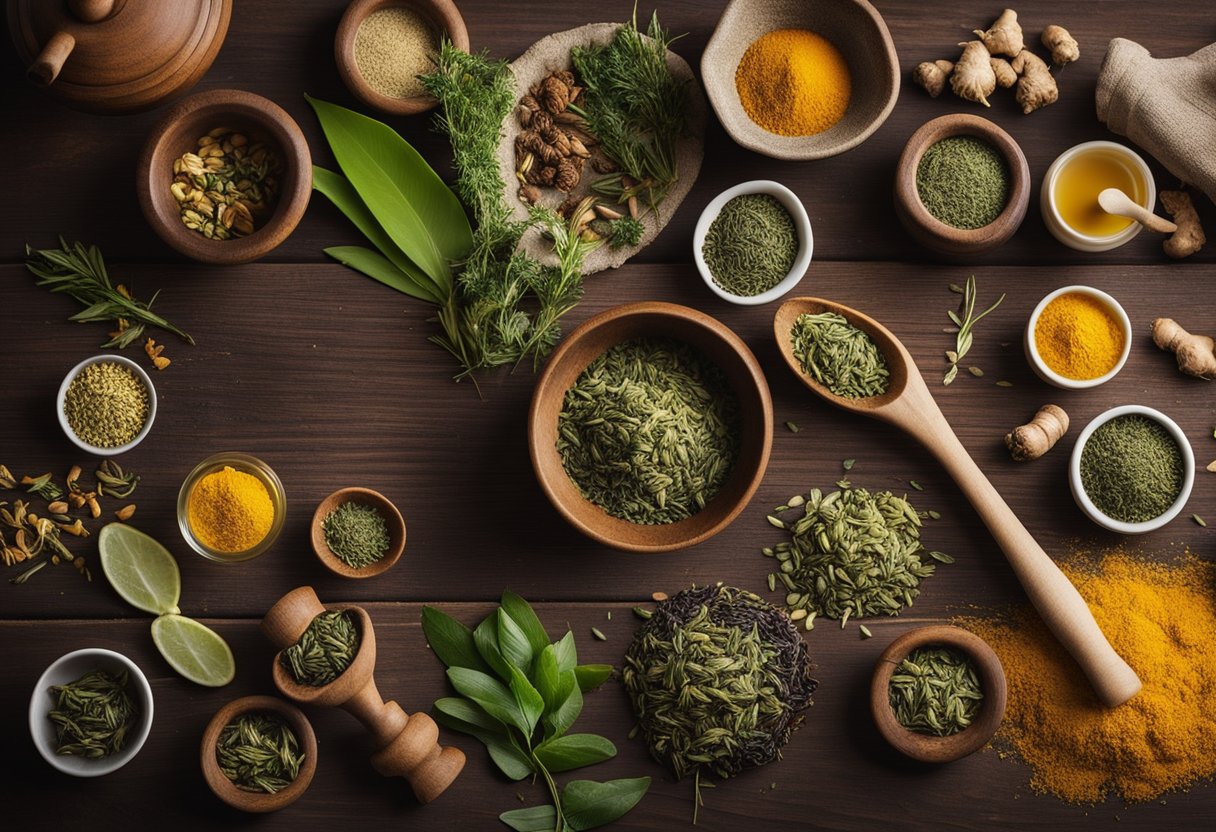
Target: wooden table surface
{"x": 329, "y": 378}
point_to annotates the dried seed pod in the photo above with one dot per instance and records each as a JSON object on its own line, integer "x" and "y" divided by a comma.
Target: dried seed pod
{"x": 606, "y": 212}
{"x": 554, "y": 94}
{"x": 125, "y": 512}
{"x": 565, "y": 76}
{"x": 567, "y": 176}
{"x": 577, "y": 148}
{"x": 542, "y": 122}
{"x": 58, "y": 507}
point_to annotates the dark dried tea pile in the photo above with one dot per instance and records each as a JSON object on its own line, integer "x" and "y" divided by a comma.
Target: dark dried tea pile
{"x": 325, "y": 650}
{"x": 259, "y": 752}
{"x": 92, "y": 715}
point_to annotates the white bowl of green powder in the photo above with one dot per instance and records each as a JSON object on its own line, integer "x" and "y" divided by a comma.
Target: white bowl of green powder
{"x": 753, "y": 243}
{"x": 106, "y": 405}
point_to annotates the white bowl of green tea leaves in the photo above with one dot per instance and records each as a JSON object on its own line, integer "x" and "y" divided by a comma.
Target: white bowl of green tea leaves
{"x": 106, "y": 404}
{"x": 753, "y": 243}
{"x": 90, "y": 712}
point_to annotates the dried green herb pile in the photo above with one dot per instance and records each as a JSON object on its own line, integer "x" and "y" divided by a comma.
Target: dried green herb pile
{"x": 649, "y": 431}
{"x": 325, "y": 650}
{"x": 1131, "y": 468}
{"x": 357, "y": 534}
{"x": 259, "y": 752}
{"x": 850, "y": 554}
{"x": 839, "y": 356}
{"x": 935, "y": 691}
{"x": 106, "y": 405}
{"x": 963, "y": 181}
{"x": 92, "y": 715}
{"x": 751, "y": 245}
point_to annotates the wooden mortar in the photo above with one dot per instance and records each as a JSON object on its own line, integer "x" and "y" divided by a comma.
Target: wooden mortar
{"x": 408, "y": 743}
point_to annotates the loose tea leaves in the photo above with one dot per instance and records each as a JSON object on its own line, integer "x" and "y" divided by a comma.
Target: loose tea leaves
{"x": 325, "y": 650}
{"x": 751, "y": 245}
{"x": 357, "y": 534}
{"x": 92, "y": 715}
{"x": 935, "y": 691}
{"x": 839, "y": 356}
{"x": 259, "y": 752}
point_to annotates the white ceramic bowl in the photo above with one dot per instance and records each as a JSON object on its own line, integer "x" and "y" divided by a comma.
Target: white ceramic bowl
{"x": 1065, "y": 233}
{"x": 806, "y": 243}
{"x": 1051, "y": 376}
{"x": 139, "y": 374}
{"x": 1087, "y": 505}
{"x": 69, "y": 668}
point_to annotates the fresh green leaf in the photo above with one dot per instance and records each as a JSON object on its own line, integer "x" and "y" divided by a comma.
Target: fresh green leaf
{"x": 491, "y": 694}
{"x": 512, "y": 642}
{"x": 486, "y": 639}
{"x": 531, "y": 704}
{"x": 373, "y": 265}
{"x": 523, "y": 615}
{"x": 573, "y": 751}
{"x": 567, "y": 655}
{"x": 591, "y": 676}
{"x": 541, "y": 818}
{"x": 451, "y": 640}
{"x": 463, "y": 715}
{"x": 560, "y": 720}
{"x": 547, "y": 678}
{"x": 588, "y": 804}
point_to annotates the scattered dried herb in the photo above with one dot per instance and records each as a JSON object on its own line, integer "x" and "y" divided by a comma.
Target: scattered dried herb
{"x": 92, "y": 715}
{"x": 965, "y": 323}
{"x": 839, "y": 356}
{"x": 936, "y": 691}
{"x": 325, "y": 649}
{"x": 259, "y": 752}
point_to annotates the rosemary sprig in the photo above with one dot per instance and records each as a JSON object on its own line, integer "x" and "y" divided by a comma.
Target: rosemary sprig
{"x": 965, "y": 323}
{"x": 81, "y": 273}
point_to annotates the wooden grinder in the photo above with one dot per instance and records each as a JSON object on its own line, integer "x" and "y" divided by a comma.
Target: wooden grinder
{"x": 408, "y": 743}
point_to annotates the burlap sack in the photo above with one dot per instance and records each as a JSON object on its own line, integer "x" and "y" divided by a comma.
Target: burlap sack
{"x": 1165, "y": 105}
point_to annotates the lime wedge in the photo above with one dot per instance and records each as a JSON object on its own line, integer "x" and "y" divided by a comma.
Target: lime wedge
{"x": 141, "y": 570}
{"x": 193, "y": 650}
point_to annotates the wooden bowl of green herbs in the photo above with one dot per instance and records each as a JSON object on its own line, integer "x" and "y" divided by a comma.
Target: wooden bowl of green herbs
{"x": 650, "y": 427}
{"x": 357, "y": 533}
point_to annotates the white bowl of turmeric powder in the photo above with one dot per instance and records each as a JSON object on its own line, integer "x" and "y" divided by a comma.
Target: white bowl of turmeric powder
{"x": 231, "y": 507}
{"x": 1078, "y": 337}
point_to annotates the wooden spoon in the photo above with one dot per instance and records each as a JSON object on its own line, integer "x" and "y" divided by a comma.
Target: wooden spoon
{"x": 1114, "y": 201}
{"x": 908, "y": 405}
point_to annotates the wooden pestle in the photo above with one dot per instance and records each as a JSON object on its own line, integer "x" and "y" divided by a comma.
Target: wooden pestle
{"x": 408, "y": 743}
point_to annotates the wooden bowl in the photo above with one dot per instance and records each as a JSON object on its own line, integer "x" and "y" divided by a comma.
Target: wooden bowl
{"x": 923, "y": 747}
{"x": 382, "y": 504}
{"x": 927, "y": 229}
{"x": 853, "y": 26}
{"x": 179, "y": 131}
{"x": 588, "y": 342}
{"x": 228, "y": 791}
{"x": 444, "y": 18}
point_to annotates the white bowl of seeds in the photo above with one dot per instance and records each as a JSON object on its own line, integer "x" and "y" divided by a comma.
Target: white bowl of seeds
{"x": 106, "y": 405}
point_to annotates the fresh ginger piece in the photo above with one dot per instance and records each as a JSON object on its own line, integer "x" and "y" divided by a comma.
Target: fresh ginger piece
{"x": 1036, "y": 86}
{"x": 1189, "y": 237}
{"x": 1063, "y": 46}
{"x": 932, "y": 75}
{"x": 973, "y": 78}
{"x": 1005, "y": 76}
{"x": 1004, "y": 37}
{"x": 1035, "y": 438}
{"x": 1196, "y": 354}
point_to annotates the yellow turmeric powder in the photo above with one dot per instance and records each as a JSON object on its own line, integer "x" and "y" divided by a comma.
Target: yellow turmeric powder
{"x": 793, "y": 82}
{"x": 1079, "y": 337}
{"x": 230, "y": 511}
{"x": 1160, "y": 618}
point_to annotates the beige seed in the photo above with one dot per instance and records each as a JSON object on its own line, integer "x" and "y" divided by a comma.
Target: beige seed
{"x": 125, "y": 512}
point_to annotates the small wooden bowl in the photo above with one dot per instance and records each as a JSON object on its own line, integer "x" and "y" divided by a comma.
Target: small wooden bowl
{"x": 228, "y": 791}
{"x": 179, "y": 131}
{"x": 382, "y": 504}
{"x": 588, "y": 342}
{"x": 853, "y": 26}
{"x": 927, "y": 229}
{"x": 923, "y": 747}
{"x": 444, "y": 18}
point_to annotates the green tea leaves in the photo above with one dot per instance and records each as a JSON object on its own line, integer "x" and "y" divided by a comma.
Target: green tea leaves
{"x": 574, "y": 751}
{"x": 587, "y": 804}
{"x": 451, "y": 640}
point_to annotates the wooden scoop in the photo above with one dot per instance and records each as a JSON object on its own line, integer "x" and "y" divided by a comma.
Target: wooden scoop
{"x": 1114, "y": 201}
{"x": 908, "y": 405}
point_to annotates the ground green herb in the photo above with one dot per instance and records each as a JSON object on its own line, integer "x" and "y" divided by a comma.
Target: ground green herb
{"x": 92, "y": 715}
{"x": 357, "y": 534}
{"x": 839, "y": 356}
{"x": 325, "y": 649}
{"x": 935, "y": 691}
{"x": 1131, "y": 469}
{"x": 106, "y": 405}
{"x": 649, "y": 431}
{"x": 963, "y": 181}
{"x": 259, "y": 752}
{"x": 751, "y": 245}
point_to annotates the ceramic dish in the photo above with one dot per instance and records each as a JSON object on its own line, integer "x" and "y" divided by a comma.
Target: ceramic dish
{"x": 1087, "y": 505}
{"x": 927, "y": 229}
{"x": 853, "y": 26}
{"x": 443, "y": 17}
{"x": 61, "y": 398}
{"x": 588, "y": 342}
{"x": 1064, "y": 232}
{"x": 1051, "y": 376}
{"x": 806, "y": 242}
{"x": 69, "y": 668}
{"x": 366, "y": 496}
{"x": 553, "y": 52}
{"x": 240, "y": 462}
{"x": 178, "y": 132}
{"x": 924, "y": 747}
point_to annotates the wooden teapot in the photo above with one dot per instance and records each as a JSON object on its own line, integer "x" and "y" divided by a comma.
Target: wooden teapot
{"x": 117, "y": 56}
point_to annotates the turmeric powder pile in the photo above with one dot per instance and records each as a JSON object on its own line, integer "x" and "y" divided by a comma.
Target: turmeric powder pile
{"x": 1079, "y": 337}
{"x": 230, "y": 511}
{"x": 793, "y": 82}
{"x": 1160, "y": 618}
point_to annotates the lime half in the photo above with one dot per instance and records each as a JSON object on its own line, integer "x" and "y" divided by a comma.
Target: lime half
{"x": 141, "y": 570}
{"x": 193, "y": 650}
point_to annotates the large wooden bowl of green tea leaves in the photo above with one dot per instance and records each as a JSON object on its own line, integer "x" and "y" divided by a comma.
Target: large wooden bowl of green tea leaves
{"x": 720, "y": 346}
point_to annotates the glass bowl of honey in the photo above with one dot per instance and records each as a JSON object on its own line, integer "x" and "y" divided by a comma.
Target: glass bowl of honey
{"x": 1069, "y": 197}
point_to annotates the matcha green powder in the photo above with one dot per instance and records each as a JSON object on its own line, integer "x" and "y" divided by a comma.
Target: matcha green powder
{"x": 963, "y": 181}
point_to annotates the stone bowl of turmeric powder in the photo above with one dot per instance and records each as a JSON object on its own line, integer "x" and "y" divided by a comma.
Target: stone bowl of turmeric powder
{"x": 231, "y": 507}
{"x": 798, "y": 80}
{"x": 1078, "y": 337}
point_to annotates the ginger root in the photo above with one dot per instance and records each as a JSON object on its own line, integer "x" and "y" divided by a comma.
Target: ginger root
{"x": 932, "y": 76}
{"x": 1063, "y": 46}
{"x": 1196, "y": 354}
{"x": 1004, "y": 37}
{"x": 1005, "y": 76}
{"x": 1036, "y": 86}
{"x": 1032, "y": 440}
{"x": 973, "y": 78}
{"x": 1189, "y": 237}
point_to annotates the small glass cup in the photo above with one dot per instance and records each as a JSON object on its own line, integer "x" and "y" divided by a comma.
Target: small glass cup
{"x": 249, "y": 465}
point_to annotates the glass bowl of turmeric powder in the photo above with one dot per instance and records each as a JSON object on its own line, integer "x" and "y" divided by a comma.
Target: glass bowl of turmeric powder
{"x": 231, "y": 507}
{"x": 1078, "y": 337}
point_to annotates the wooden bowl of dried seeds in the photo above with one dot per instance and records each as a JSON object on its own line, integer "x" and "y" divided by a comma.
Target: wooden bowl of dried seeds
{"x": 225, "y": 177}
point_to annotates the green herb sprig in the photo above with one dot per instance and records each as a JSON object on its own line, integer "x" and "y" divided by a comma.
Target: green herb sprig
{"x": 965, "y": 324}
{"x": 520, "y": 694}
